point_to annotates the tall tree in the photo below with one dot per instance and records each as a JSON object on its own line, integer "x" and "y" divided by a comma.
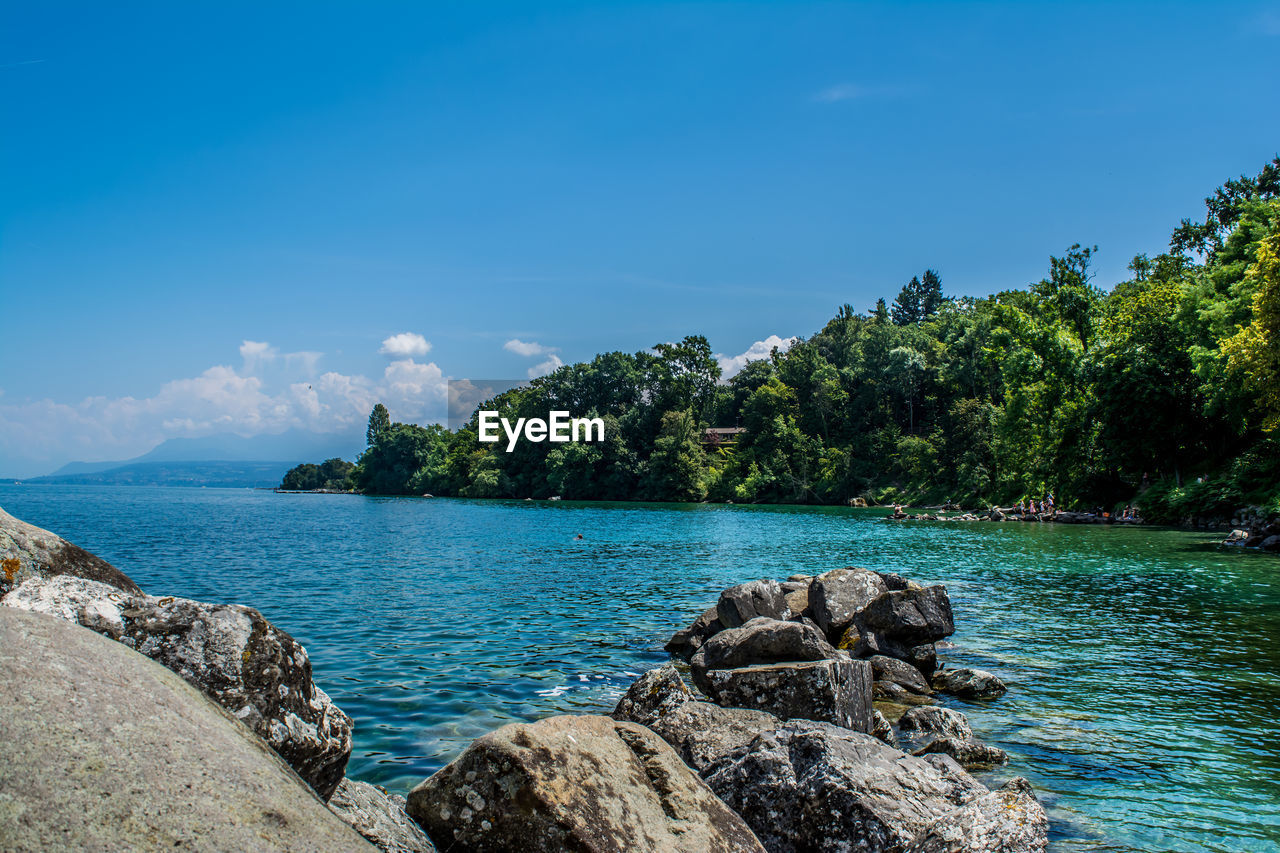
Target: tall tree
{"x": 379, "y": 424}
{"x": 931, "y": 297}
{"x": 907, "y": 308}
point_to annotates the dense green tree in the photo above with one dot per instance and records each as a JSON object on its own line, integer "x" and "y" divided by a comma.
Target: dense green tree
{"x": 302, "y": 478}
{"x": 674, "y": 468}
{"x": 1168, "y": 384}
{"x": 908, "y": 306}
{"x": 918, "y": 300}
{"x": 1253, "y": 352}
{"x": 393, "y": 464}
{"x": 379, "y": 423}
{"x": 931, "y": 297}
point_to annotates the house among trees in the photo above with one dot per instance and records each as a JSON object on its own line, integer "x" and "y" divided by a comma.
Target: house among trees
{"x": 713, "y": 437}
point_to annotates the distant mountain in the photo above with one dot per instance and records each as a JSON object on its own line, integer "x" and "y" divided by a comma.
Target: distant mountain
{"x": 293, "y": 446}
{"x": 213, "y": 473}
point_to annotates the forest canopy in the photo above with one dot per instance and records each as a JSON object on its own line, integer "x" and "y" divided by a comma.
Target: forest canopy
{"x": 1167, "y": 384}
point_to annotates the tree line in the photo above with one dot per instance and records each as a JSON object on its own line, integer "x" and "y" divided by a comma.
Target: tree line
{"x": 1166, "y": 386}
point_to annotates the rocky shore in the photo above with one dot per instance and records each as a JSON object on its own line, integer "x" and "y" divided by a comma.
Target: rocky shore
{"x": 140, "y": 722}
{"x": 1012, "y": 514}
{"x": 1254, "y": 528}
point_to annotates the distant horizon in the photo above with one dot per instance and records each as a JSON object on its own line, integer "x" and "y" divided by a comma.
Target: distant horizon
{"x": 270, "y": 227}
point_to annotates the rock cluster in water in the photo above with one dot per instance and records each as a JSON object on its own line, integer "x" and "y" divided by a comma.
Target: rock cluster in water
{"x": 139, "y": 721}
{"x": 1254, "y": 528}
{"x": 831, "y": 776}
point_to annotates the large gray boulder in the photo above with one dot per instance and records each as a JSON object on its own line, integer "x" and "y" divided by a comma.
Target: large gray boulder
{"x": 838, "y": 597}
{"x": 968, "y": 752}
{"x": 103, "y": 749}
{"x": 762, "y": 640}
{"x": 27, "y": 551}
{"x": 969, "y": 683}
{"x": 832, "y": 691}
{"x": 699, "y": 732}
{"x": 744, "y": 602}
{"x": 1009, "y": 820}
{"x": 653, "y": 695}
{"x": 910, "y": 617}
{"x": 815, "y": 787}
{"x": 588, "y": 784}
{"x": 899, "y": 672}
{"x": 380, "y": 817}
{"x": 229, "y": 652}
{"x": 936, "y": 721}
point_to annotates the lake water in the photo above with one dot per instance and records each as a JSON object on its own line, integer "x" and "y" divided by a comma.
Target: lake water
{"x": 1143, "y": 665}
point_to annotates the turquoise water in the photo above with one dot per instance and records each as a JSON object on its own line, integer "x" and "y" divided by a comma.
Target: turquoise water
{"x": 1143, "y": 665}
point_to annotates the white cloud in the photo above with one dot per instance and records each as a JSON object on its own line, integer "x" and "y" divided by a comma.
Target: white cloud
{"x": 405, "y": 345}
{"x": 550, "y": 365}
{"x": 730, "y": 365}
{"x": 256, "y": 354}
{"x": 528, "y": 349}
{"x": 39, "y": 435}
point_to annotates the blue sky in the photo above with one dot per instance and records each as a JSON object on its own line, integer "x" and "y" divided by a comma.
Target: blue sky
{"x": 215, "y": 217}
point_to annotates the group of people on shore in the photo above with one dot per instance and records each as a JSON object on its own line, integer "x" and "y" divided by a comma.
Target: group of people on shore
{"x": 1031, "y": 509}
{"x": 1029, "y": 506}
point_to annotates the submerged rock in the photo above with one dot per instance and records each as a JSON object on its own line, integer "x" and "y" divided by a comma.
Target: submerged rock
{"x": 744, "y": 602}
{"x": 104, "y": 749}
{"x": 587, "y": 784}
{"x": 832, "y": 691}
{"x": 230, "y": 652}
{"x": 380, "y": 817}
{"x": 969, "y": 683}
{"x": 27, "y": 551}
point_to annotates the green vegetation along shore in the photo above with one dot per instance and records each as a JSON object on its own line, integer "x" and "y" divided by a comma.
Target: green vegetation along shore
{"x": 1166, "y": 386}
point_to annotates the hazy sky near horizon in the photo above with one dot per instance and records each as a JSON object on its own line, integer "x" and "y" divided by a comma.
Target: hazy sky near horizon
{"x": 250, "y": 217}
